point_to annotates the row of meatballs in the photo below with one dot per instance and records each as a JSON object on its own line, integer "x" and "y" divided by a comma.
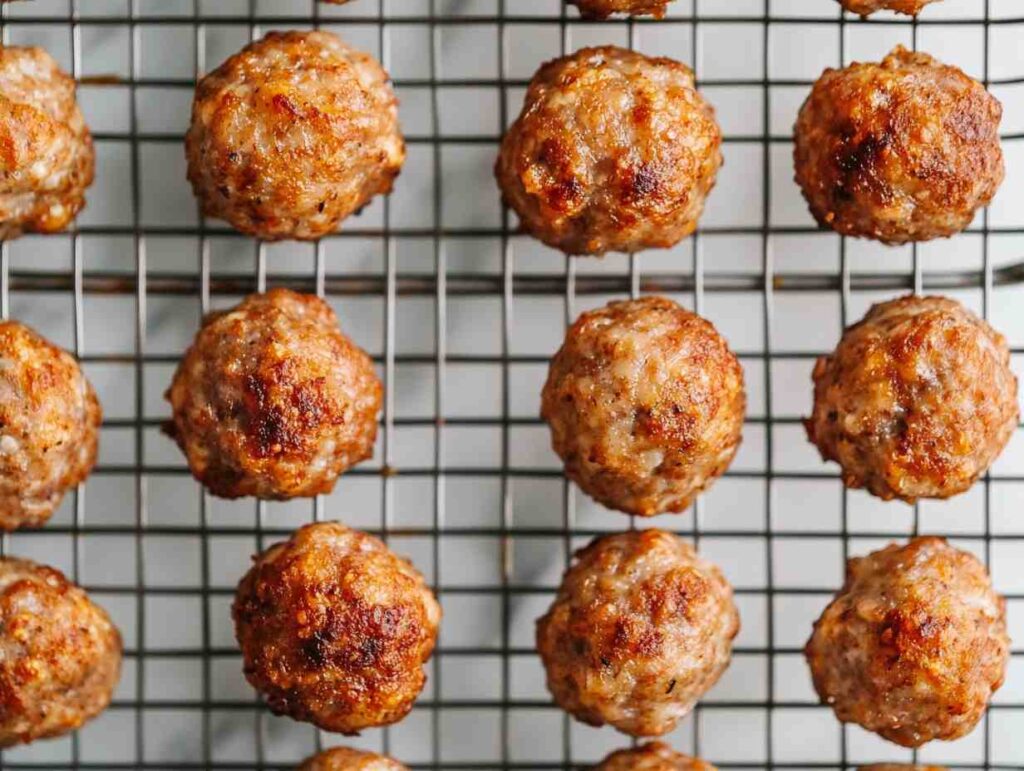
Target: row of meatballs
{"x": 613, "y": 150}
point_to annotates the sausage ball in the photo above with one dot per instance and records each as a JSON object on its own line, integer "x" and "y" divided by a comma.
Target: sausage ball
{"x": 272, "y": 400}
{"x": 46, "y": 154}
{"x": 613, "y": 151}
{"x": 645, "y": 402}
{"x": 917, "y": 400}
{"x": 292, "y": 135}
{"x": 653, "y": 756}
{"x": 49, "y": 426}
{"x": 640, "y": 629}
{"x": 335, "y": 629}
{"x": 60, "y": 654}
{"x": 602, "y": 9}
{"x": 913, "y": 645}
{"x": 345, "y": 759}
{"x": 868, "y": 7}
{"x": 905, "y": 150}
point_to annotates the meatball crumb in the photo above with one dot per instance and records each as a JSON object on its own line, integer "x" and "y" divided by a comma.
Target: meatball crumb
{"x": 602, "y": 9}
{"x": 653, "y": 756}
{"x": 868, "y": 7}
{"x": 345, "y": 759}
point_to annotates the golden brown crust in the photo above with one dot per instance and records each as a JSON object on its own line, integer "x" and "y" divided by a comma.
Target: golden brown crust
{"x": 60, "y": 655}
{"x": 49, "y": 426}
{"x": 272, "y": 400}
{"x": 602, "y": 9}
{"x": 293, "y": 134}
{"x": 905, "y": 150}
{"x": 335, "y": 628}
{"x": 346, "y": 759}
{"x": 645, "y": 403}
{"x": 913, "y": 645}
{"x": 46, "y": 152}
{"x": 653, "y": 756}
{"x": 868, "y": 7}
{"x": 917, "y": 400}
{"x": 640, "y": 629}
{"x": 613, "y": 151}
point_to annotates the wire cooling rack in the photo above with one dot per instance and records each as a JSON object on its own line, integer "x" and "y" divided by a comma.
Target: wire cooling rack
{"x": 461, "y": 314}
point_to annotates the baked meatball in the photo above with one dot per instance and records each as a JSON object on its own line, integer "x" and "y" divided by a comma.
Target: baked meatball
{"x": 46, "y": 154}
{"x": 917, "y": 400}
{"x": 905, "y": 150}
{"x": 640, "y": 629}
{"x": 868, "y": 7}
{"x": 645, "y": 402}
{"x": 653, "y": 756}
{"x": 60, "y": 654}
{"x": 293, "y": 134}
{"x": 913, "y": 645}
{"x": 345, "y": 759}
{"x": 613, "y": 151}
{"x": 272, "y": 400}
{"x": 602, "y": 9}
{"x": 335, "y": 629}
{"x": 49, "y": 426}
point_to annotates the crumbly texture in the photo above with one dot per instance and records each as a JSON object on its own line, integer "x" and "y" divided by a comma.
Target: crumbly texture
{"x": 293, "y": 134}
{"x": 49, "y": 426}
{"x": 613, "y": 151}
{"x": 46, "y": 153}
{"x": 602, "y": 9}
{"x": 60, "y": 654}
{"x": 913, "y": 645}
{"x": 335, "y": 629}
{"x": 653, "y": 756}
{"x": 272, "y": 400}
{"x": 868, "y": 7}
{"x": 645, "y": 403}
{"x": 640, "y": 629}
{"x": 917, "y": 400}
{"x": 345, "y": 759}
{"x": 906, "y": 150}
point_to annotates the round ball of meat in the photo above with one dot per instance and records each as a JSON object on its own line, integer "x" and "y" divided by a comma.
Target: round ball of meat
{"x": 602, "y": 9}
{"x": 645, "y": 403}
{"x": 906, "y": 150}
{"x": 60, "y": 654}
{"x": 613, "y": 151}
{"x": 914, "y": 644}
{"x": 868, "y": 7}
{"x": 640, "y": 629}
{"x": 293, "y": 134}
{"x": 335, "y": 629}
{"x": 917, "y": 400}
{"x": 653, "y": 756}
{"x": 345, "y": 759}
{"x": 49, "y": 426}
{"x": 272, "y": 400}
{"x": 46, "y": 154}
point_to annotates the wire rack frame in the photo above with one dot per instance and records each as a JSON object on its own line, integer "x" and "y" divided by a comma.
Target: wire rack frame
{"x": 508, "y": 285}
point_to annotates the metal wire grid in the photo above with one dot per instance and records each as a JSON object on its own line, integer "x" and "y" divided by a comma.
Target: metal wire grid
{"x": 510, "y": 287}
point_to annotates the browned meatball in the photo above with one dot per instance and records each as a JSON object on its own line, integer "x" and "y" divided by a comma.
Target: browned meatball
{"x": 292, "y": 135}
{"x": 272, "y": 400}
{"x": 905, "y": 150}
{"x": 913, "y": 645}
{"x": 613, "y": 151}
{"x": 60, "y": 655}
{"x": 640, "y": 629}
{"x": 900, "y": 767}
{"x": 46, "y": 154}
{"x": 868, "y": 7}
{"x": 602, "y": 9}
{"x": 49, "y": 426}
{"x": 653, "y": 756}
{"x": 335, "y": 629}
{"x": 345, "y": 759}
{"x": 645, "y": 402}
{"x": 917, "y": 400}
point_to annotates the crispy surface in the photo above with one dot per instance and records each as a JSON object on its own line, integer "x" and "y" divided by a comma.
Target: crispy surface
{"x": 60, "y": 655}
{"x": 917, "y": 400}
{"x": 653, "y": 756}
{"x": 49, "y": 426}
{"x": 913, "y": 645}
{"x": 292, "y": 134}
{"x": 602, "y": 9}
{"x": 613, "y": 151}
{"x": 645, "y": 403}
{"x": 640, "y": 629}
{"x": 335, "y": 629}
{"x": 345, "y": 759}
{"x": 272, "y": 400}
{"x": 867, "y": 7}
{"x": 905, "y": 150}
{"x": 46, "y": 154}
